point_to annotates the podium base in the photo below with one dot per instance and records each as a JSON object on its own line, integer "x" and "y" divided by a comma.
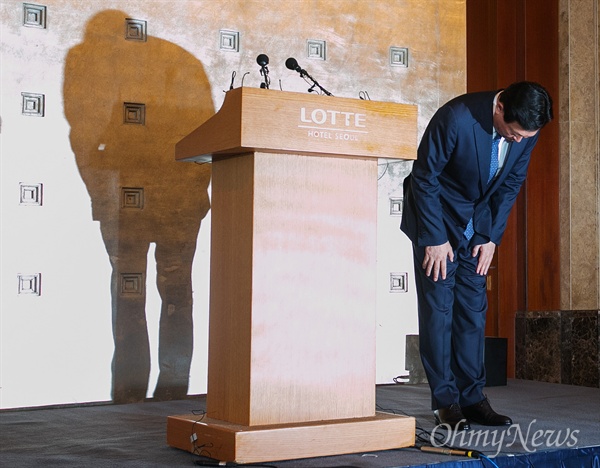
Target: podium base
{"x": 229, "y": 442}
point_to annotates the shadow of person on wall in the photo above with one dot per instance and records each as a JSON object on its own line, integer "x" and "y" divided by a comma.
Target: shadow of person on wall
{"x": 128, "y": 102}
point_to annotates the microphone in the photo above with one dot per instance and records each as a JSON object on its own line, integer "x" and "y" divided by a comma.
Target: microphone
{"x": 292, "y": 64}
{"x": 263, "y": 61}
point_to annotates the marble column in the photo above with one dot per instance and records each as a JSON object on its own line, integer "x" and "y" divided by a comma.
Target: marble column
{"x": 579, "y": 114}
{"x": 564, "y": 346}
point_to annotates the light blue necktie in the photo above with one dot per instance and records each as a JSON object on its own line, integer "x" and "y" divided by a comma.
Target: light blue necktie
{"x": 469, "y": 231}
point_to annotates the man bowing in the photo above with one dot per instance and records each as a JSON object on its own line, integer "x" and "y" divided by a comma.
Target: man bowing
{"x": 471, "y": 163}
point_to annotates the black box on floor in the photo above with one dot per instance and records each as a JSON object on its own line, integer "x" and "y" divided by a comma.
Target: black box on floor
{"x": 495, "y": 361}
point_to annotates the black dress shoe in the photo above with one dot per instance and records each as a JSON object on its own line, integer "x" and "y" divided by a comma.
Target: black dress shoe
{"x": 482, "y": 413}
{"x": 452, "y": 417}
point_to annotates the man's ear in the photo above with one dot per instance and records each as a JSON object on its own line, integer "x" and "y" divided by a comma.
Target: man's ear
{"x": 499, "y": 109}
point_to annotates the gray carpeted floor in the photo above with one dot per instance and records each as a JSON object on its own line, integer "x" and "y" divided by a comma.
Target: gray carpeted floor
{"x": 547, "y": 417}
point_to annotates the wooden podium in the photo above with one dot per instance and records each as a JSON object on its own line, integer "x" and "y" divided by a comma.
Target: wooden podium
{"x": 291, "y": 365}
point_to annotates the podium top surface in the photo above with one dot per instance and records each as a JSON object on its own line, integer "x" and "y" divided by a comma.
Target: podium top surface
{"x": 263, "y": 120}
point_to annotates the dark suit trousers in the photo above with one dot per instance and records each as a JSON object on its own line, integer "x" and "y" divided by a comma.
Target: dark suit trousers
{"x": 451, "y": 328}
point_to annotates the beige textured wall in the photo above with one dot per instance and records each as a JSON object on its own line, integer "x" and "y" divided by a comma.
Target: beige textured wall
{"x": 580, "y": 154}
{"x": 57, "y": 347}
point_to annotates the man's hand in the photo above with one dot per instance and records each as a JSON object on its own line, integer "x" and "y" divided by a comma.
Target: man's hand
{"x": 486, "y": 254}
{"x": 435, "y": 260}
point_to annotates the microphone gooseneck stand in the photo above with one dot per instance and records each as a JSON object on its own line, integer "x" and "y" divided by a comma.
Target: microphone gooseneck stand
{"x": 292, "y": 64}
{"x": 263, "y": 61}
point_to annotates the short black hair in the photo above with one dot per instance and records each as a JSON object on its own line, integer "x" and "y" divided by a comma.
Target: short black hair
{"x": 528, "y": 104}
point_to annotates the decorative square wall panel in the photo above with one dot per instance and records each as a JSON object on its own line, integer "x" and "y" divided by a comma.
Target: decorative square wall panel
{"x": 396, "y": 206}
{"x": 399, "y": 282}
{"x": 315, "y": 49}
{"x": 134, "y": 113}
{"x": 30, "y": 194}
{"x": 34, "y": 16}
{"x": 229, "y": 40}
{"x": 135, "y": 30}
{"x": 132, "y": 197}
{"x": 33, "y": 104}
{"x": 399, "y": 57}
{"x": 132, "y": 283}
{"x": 30, "y": 284}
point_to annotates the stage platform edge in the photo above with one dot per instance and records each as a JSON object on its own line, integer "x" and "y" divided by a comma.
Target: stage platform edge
{"x": 576, "y": 457}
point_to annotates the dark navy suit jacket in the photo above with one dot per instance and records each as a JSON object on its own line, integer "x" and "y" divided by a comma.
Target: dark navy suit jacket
{"x": 448, "y": 184}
